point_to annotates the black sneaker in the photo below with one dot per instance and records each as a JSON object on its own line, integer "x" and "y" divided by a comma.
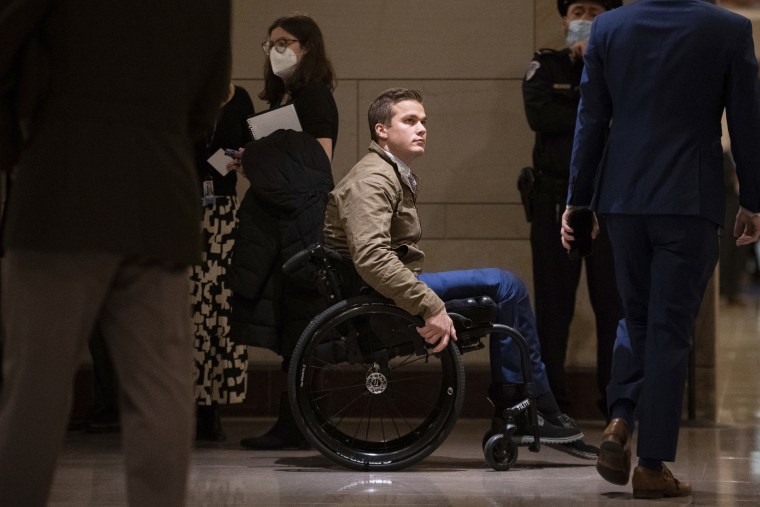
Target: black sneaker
{"x": 548, "y": 432}
{"x": 565, "y": 421}
{"x": 579, "y": 448}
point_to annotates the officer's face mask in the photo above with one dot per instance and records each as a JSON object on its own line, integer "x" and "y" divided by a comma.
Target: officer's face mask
{"x": 283, "y": 64}
{"x": 578, "y": 30}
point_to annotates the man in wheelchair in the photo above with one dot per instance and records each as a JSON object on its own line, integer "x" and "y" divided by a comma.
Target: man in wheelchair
{"x": 371, "y": 219}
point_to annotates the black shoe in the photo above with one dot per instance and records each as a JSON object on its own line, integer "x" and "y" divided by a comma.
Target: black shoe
{"x": 208, "y": 425}
{"x": 579, "y": 448}
{"x": 548, "y": 433}
{"x": 283, "y": 435}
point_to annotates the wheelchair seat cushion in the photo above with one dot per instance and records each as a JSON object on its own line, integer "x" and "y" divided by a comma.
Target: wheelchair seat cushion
{"x": 479, "y": 310}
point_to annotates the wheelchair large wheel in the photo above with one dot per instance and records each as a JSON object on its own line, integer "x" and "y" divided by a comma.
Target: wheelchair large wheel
{"x": 365, "y": 390}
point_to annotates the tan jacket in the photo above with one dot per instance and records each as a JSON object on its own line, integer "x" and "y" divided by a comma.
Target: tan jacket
{"x": 372, "y": 219}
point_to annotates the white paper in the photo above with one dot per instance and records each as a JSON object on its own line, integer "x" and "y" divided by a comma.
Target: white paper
{"x": 265, "y": 123}
{"x": 219, "y": 161}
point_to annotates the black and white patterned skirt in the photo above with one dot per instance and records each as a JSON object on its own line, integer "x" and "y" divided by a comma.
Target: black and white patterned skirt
{"x": 220, "y": 365}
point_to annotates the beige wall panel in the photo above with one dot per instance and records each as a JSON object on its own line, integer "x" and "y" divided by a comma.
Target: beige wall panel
{"x": 486, "y": 221}
{"x": 510, "y": 255}
{"x": 433, "y": 220}
{"x": 550, "y": 31}
{"x": 440, "y": 39}
{"x": 478, "y": 139}
{"x": 349, "y": 132}
{"x": 473, "y": 221}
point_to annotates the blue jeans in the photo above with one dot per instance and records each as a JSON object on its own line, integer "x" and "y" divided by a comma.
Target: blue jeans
{"x": 514, "y": 310}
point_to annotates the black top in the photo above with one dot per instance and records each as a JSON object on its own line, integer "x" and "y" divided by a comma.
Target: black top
{"x": 231, "y": 131}
{"x": 551, "y": 94}
{"x": 317, "y": 111}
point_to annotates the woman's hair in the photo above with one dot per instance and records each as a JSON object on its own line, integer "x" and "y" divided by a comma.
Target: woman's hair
{"x": 313, "y": 66}
{"x": 381, "y": 109}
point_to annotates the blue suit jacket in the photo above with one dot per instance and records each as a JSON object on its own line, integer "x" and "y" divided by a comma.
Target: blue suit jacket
{"x": 659, "y": 74}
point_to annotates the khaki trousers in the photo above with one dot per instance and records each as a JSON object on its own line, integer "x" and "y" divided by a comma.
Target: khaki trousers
{"x": 50, "y": 303}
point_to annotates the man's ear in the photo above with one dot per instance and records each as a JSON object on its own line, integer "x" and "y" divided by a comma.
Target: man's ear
{"x": 381, "y": 131}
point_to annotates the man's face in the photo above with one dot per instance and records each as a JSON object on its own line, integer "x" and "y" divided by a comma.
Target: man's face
{"x": 586, "y": 10}
{"x": 405, "y": 137}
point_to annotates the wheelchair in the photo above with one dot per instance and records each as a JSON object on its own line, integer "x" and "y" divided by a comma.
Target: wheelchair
{"x": 364, "y": 387}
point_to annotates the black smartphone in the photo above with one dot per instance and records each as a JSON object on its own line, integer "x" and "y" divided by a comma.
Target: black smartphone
{"x": 582, "y": 222}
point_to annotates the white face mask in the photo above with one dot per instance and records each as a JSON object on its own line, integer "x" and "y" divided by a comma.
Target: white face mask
{"x": 578, "y": 30}
{"x": 283, "y": 64}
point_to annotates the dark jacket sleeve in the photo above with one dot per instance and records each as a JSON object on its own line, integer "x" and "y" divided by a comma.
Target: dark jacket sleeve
{"x": 18, "y": 19}
{"x": 743, "y": 115}
{"x": 256, "y": 249}
{"x": 551, "y": 101}
{"x": 594, "y": 116}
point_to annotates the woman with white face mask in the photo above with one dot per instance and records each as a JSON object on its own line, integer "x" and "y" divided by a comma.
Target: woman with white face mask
{"x": 266, "y": 310}
{"x": 298, "y": 71}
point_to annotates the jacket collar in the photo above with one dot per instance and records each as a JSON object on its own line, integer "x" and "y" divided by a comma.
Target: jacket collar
{"x": 374, "y": 147}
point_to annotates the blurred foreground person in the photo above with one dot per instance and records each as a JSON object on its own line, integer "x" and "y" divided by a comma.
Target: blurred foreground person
{"x": 100, "y": 103}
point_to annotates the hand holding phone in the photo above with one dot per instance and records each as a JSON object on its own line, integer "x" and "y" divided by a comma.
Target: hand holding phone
{"x": 582, "y": 223}
{"x": 233, "y": 153}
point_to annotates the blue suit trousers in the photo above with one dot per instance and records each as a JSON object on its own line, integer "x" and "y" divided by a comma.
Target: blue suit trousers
{"x": 662, "y": 265}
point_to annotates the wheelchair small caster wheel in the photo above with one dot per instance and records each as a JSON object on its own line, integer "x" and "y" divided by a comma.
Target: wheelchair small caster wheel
{"x": 500, "y": 452}
{"x": 486, "y": 437}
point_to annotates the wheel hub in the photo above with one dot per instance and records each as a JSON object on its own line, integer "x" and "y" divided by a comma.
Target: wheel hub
{"x": 376, "y": 381}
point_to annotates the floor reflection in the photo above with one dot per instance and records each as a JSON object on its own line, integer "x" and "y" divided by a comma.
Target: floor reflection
{"x": 721, "y": 459}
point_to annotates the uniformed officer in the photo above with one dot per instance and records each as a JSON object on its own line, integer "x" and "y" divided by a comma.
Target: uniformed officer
{"x": 551, "y": 95}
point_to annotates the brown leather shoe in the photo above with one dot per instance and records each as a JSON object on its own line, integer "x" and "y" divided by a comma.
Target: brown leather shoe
{"x": 648, "y": 483}
{"x": 614, "y": 461}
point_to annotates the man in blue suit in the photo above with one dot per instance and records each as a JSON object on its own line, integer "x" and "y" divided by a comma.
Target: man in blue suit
{"x": 658, "y": 74}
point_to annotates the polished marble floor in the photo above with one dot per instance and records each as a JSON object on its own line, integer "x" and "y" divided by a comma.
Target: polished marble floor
{"x": 721, "y": 460}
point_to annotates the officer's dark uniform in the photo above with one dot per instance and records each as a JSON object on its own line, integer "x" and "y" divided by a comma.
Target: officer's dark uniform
{"x": 551, "y": 94}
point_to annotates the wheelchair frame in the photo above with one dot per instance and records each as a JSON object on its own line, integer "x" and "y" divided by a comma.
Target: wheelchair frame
{"x": 365, "y": 389}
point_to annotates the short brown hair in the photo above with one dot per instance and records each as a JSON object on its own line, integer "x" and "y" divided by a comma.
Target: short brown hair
{"x": 381, "y": 109}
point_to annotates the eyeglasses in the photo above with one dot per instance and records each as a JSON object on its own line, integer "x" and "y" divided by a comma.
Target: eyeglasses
{"x": 279, "y": 45}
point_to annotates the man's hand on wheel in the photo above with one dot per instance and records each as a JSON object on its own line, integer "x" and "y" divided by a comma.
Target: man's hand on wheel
{"x": 437, "y": 330}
